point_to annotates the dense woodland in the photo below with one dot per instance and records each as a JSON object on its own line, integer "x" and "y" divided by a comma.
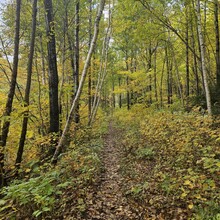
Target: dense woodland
{"x": 110, "y": 94}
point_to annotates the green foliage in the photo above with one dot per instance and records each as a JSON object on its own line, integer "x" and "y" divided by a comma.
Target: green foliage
{"x": 44, "y": 193}
{"x": 138, "y": 190}
{"x": 184, "y": 171}
{"x": 145, "y": 153}
{"x": 36, "y": 196}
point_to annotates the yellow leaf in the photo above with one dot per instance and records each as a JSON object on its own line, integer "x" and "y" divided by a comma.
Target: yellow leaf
{"x": 187, "y": 182}
{"x": 27, "y": 170}
{"x": 198, "y": 196}
{"x": 212, "y": 184}
{"x": 205, "y": 186}
{"x": 190, "y": 206}
{"x": 183, "y": 195}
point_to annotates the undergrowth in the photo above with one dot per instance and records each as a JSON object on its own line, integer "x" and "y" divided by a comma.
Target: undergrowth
{"x": 172, "y": 164}
{"x": 44, "y": 193}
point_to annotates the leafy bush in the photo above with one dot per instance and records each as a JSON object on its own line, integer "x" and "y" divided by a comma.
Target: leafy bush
{"x": 34, "y": 197}
{"x": 46, "y": 192}
{"x": 184, "y": 174}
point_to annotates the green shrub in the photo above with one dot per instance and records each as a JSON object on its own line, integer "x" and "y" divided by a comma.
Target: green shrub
{"x": 34, "y": 197}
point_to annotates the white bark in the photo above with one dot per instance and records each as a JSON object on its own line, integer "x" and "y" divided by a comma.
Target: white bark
{"x": 102, "y": 69}
{"x": 81, "y": 83}
{"x": 202, "y": 47}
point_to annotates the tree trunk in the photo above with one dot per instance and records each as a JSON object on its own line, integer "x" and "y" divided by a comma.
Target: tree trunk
{"x": 169, "y": 78}
{"x": 8, "y": 108}
{"x": 43, "y": 77}
{"x": 161, "y": 83}
{"x": 90, "y": 69}
{"x": 195, "y": 62}
{"x": 76, "y": 49}
{"x": 127, "y": 82}
{"x": 155, "y": 77}
{"x": 81, "y": 83}
{"x": 53, "y": 74}
{"x": 28, "y": 86}
{"x": 150, "y": 90}
{"x": 113, "y": 91}
{"x": 102, "y": 70}
{"x": 62, "y": 81}
{"x": 217, "y": 49}
{"x": 179, "y": 85}
{"x": 42, "y": 128}
{"x": 120, "y": 98}
{"x": 187, "y": 53}
{"x": 128, "y": 93}
{"x": 202, "y": 47}
{"x": 70, "y": 44}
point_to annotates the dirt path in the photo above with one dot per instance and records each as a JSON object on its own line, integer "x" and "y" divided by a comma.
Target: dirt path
{"x": 108, "y": 202}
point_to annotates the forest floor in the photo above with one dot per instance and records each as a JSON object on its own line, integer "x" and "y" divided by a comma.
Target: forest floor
{"x": 164, "y": 168}
{"x": 145, "y": 176}
{"x": 106, "y": 200}
{"x": 109, "y": 201}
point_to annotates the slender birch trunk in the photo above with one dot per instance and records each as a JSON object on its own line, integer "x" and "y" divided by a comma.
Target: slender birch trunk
{"x": 81, "y": 83}
{"x": 217, "y": 48}
{"x": 202, "y": 48}
{"x": 76, "y": 53}
{"x": 102, "y": 70}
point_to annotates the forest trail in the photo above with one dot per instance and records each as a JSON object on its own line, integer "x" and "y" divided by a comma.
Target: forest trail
{"x": 108, "y": 201}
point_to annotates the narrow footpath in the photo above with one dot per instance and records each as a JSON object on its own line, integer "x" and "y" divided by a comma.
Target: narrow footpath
{"x": 108, "y": 201}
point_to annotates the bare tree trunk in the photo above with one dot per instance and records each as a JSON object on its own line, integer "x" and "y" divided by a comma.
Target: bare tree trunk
{"x": 217, "y": 48}
{"x": 81, "y": 83}
{"x": 195, "y": 61}
{"x": 76, "y": 49}
{"x": 150, "y": 90}
{"x": 28, "y": 86}
{"x": 120, "y": 98}
{"x": 202, "y": 47}
{"x": 53, "y": 74}
{"x": 161, "y": 82}
{"x": 70, "y": 45}
{"x": 98, "y": 95}
{"x": 128, "y": 94}
{"x": 63, "y": 65}
{"x": 155, "y": 77}
{"x": 113, "y": 91}
{"x": 102, "y": 70}
{"x": 187, "y": 52}
{"x": 42, "y": 129}
{"x": 169, "y": 78}
{"x": 8, "y": 108}
{"x": 43, "y": 77}
{"x": 127, "y": 81}
{"x": 179, "y": 86}
{"x": 90, "y": 69}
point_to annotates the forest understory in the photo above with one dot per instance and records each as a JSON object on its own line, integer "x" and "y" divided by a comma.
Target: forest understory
{"x": 161, "y": 165}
